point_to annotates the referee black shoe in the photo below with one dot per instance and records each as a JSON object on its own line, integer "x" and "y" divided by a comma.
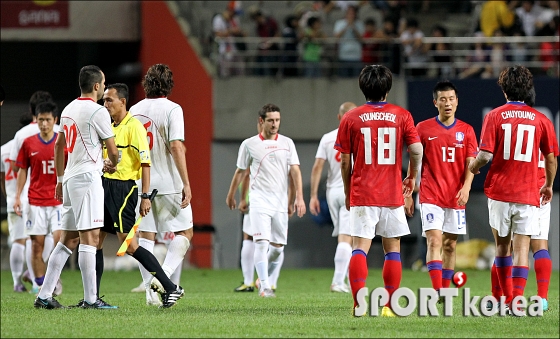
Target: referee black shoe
{"x": 169, "y": 299}
{"x": 49, "y": 303}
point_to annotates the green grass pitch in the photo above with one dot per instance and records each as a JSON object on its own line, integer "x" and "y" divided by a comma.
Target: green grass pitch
{"x": 304, "y": 307}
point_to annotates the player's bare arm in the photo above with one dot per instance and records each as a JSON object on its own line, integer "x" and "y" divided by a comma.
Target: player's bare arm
{"x": 178, "y": 152}
{"x": 551, "y": 166}
{"x": 314, "y": 206}
{"x": 416, "y": 151}
{"x": 295, "y": 173}
{"x": 346, "y": 172}
{"x": 237, "y": 177}
{"x": 243, "y": 203}
{"x": 3, "y": 183}
{"x": 463, "y": 194}
{"x": 145, "y": 204}
{"x": 20, "y": 182}
{"x": 291, "y": 196}
{"x": 59, "y": 164}
{"x": 112, "y": 151}
{"x": 481, "y": 159}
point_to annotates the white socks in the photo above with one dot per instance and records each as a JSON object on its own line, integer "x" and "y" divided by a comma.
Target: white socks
{"x": 341, "y": 261}
{"x": 261, "y": 262}
{"x": 248, "y": 261}
{"x": 86, "y": 260}
{"x": 175, "y": 254}
{"x": 48, "y": 247}
{"x": 58, "y": 259}
{"x": 176, "y": 276}
{"x": 274, "y": 275}
{"x": 146, "y": 276}
{"x": 17, "y": 257}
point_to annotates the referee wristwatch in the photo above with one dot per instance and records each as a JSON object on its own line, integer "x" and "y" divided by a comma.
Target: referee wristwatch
{"x": 145, "y": 196}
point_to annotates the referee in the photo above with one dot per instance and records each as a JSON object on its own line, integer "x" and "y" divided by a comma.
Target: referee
{"x": 121, "y": 191}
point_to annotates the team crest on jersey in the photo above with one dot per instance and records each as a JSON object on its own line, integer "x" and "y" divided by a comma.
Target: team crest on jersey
{"x": 144, "y": 155}
{"x": 430, "y": 217}
{"x": 459, "y": 136}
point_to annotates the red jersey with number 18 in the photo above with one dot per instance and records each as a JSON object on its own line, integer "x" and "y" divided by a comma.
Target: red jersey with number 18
{"x": 514, "y": 133}
{"x": 39, "y": 155}
{"x": 375, "y": 134}
{"x": 446, "y": 149}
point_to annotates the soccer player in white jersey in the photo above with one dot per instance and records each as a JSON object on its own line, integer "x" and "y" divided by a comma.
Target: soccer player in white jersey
{"x": 269, "y": 155}
{"x": 171, "y": 209}
{"x": 85, "y": 126}
{"x": 16, "y": 228}
{"x": 336, "y": 201}
{"x": 23, "y": 133}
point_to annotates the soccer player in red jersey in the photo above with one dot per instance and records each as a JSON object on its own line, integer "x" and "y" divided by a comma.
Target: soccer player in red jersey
{"x": 373, "y": 135}
{"x": 512, "y": 136}
{"x": 43, "y": 214}
{"x": 449, "y": 146}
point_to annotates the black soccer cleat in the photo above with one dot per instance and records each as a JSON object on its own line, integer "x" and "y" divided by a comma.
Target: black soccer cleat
{"x": 49, "y": 303}
{"x": 169, "y": 299}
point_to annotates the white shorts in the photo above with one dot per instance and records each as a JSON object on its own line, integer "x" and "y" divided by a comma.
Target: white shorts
{"x": 507, "y": 217}
{"x": 269, "y": 225}
{"x": 42, "y": 220}
{"x": 339, "y": 214}
{"x": 369, "y": 221}
{"x": 167, "y": 215}
{"x": 16, "y": 227}
{"x": 543, "y": 222}
{"x": 447, "y": 220}
{"x": 247, "y": 224}
{"x": 165, "y": 237}
{"x": 83, "y": 206}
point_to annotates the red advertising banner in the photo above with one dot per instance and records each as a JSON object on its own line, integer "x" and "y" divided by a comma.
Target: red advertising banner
{"x": 34, "y": 14}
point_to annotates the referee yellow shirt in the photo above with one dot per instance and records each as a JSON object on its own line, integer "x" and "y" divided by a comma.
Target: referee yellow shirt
{"x": 132, "y": 143}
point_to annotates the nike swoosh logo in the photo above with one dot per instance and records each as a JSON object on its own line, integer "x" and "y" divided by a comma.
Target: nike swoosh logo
{"x": 431, "y": 138}
{"x": 34, "y": 153}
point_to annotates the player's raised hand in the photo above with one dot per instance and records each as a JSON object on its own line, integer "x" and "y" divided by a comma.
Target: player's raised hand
{"x": 314, "y": 206}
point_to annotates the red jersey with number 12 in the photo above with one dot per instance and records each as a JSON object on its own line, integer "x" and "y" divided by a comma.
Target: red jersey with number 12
{"x": 446, "y": 149}
{"x": 514, "y": 133}
{"x": 39, "y": 155}
{"x": 375, "y": 134}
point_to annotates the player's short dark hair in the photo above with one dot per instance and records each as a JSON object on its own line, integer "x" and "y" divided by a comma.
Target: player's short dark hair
{"x": 47, "y": 107}
{"x": 516, "y": 82}
{"x": 268, "y": 108}
{"x": 375, "y": 82}
{"x": 445, "y": 85}
{"x": 25, "y": 119}
{"x": 121, "y": 89}
{"x": 158, "y": 81}
{"x": 531, "y": 97}
{"x": 37, "y": 98}
{"x": 89, "y": 76}
{"x": 2, "y": 93}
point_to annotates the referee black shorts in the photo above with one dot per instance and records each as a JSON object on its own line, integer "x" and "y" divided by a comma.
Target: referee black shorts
{"x": 121, "y": 198}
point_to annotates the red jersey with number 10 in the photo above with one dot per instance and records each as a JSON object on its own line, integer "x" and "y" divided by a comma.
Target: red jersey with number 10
{"x": 514, "y": 133}
{"x": 39, "y": 155}
{"x": 375, "y": 134}
{"x": 446, "y": 149}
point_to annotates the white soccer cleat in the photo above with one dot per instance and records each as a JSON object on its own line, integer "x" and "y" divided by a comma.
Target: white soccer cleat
{"x": 58, "y": 288}
{"x": 140, "y": 288}
{"x": 156, "y": 286}
{"x": 152, "y": 298}
{"x": 340, "y": 288}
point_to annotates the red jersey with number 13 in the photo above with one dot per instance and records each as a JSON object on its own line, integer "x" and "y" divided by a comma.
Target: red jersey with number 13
{"x": 375, "y": 134}
{"x": 514, "y": 133}
{"x": 39, "y": 155}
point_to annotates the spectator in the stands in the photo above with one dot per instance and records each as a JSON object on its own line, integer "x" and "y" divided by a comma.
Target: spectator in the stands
{"x": 226, "y": 27}
{"x": 371, "y": 50}
{"x": 497, "y": 14}
{"x": 478, "y": 59}
{"x": 391, "y": 51}
{"x": 313, "y": 47}
{"x": 549, "y": 52}
{"x": 546, "y": 17}
{"x": 411, "y": 40}
{"x": 349, "y": 32}
{"x": 529, "y": 13}
{"x": 292, "y": 35}
{"x": 440, "y": 53}
{"x": 267, "y": 50}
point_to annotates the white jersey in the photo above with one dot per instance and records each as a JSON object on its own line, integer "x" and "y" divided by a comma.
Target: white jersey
{"x": 327, "y": 152}
{"x": 270, "y": 161}
{"x": 163, "y": 120}
{"x": 10, "y": 178}
{"x": 85, "y": 125}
